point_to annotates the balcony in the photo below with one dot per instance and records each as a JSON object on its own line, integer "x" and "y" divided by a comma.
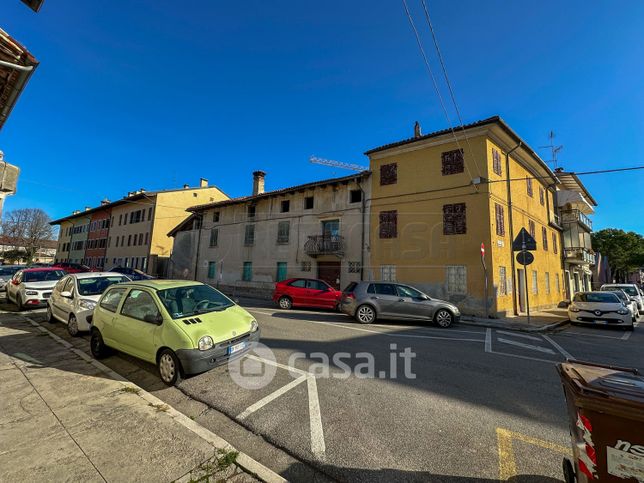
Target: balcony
{"x": 573, "y": 216}
{"x": 579, "y": 255}
{"x": 319, "y": 245}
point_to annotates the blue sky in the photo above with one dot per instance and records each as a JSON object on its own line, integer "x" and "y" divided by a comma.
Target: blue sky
{"x": 157, "y": 93}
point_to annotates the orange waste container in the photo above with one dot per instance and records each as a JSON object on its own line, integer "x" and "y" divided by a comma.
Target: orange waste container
{"x": 606, "y": 410}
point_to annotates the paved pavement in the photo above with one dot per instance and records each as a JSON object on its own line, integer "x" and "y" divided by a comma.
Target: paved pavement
{"x": 482, "y": 403}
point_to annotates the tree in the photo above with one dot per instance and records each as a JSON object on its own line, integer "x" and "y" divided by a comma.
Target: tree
{"x": 26, "y": 229}
{"x": 625, "y": 250}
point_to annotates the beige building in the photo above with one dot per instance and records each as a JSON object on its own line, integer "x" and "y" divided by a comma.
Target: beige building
{"x": 316, "y": 230}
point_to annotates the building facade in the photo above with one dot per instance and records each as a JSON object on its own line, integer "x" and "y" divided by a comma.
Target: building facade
{"x": 316, "y": 230}
{"x": 436, "y": 199}
{"x": 96, "y": 246}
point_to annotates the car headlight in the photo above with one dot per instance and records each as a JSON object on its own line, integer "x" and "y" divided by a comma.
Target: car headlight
{"x": 574, "y": 309}
{"x": 87, "y": 304}
{"x": 206, "y": 343}
{"x": 623, "y": 312}
{"x": 254, "y": 326}
{"x": 31, "y": 292}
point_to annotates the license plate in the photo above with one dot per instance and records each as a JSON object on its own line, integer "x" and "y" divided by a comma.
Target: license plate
{"x": 236, "y": 348}
{"x": 601, "y": 322}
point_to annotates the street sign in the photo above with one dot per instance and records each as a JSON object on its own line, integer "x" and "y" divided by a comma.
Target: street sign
{"x": 525, "y": 258}
{"x": 524, "y": 241}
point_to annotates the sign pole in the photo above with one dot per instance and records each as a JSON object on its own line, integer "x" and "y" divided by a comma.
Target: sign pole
{"x": 487, "y": 313}
{"x": 525, "y": 273}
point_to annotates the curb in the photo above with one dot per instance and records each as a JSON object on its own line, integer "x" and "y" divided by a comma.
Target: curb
{"x": 244, "y": 461}
{"x": 500, "y": 325}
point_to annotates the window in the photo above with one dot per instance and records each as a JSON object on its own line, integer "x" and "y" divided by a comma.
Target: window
{"x": 452, "y": 162}
{"x": 316, "y": 285}
{"x": 408, "y": 292}
{"x": 388, "y": 273}
{"x": 531, "y": 228}
{"x": 150, "y": 213}
{"x": 503, "y": 282}
{"x": 544, "y": 237}
{"x": 388, "y": 224}
{"x": 301, "y": 283}
{"x": 129, "y": 240}
{"x": 146, "y": 238}
{"x": 142, "y": 215}
{"x": 529, "y": 186}
{"x": 535, "y": 286}
{"x": 252, "y": 210}
{"x": 388, "y": 174}
{"x": 140, "y": 305}
{"x": 285, "y": 206}
{"x": 112, "y": 299}
{"x": 456, "y": 279}
{"x": 542, "y": 196}
{"x": 306, "y": 266}
{"x": 140, "y": 238}
{"x": 555, "y": 249}
{"x": 354, "y": 267}
{"x": 454, "y": 221}
{"x": 214, "y": 235}
{"x": 281, "y": 271}
{"x": 386, "y": 289}
{"x": 496, "y": 161}
{"x": 355, "y": 196}
{"x": 500, "y": 219}
{"x": 247, "y": 274}
{"x": 283, "y": 231}
{"x": 122, "y": 240}
{"x": 249, "y": 235}
{"x": 308, "y": 203}
{"x": 215, "y": 217}
{"x": 120, "y": 219}
{"x": 557, "y": 287}
{"x": 212, "y": 270}
{"x": 547, "y": 283}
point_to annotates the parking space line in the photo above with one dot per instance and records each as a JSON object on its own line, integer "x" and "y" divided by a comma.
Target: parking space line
{"x": 389, "y": 334}
{"x": 563, "y": 351}
{"x": 488, "y": 340}
{"x": 526, "y": 346}
{"x": 318, "y": 447}
{"x": 523, "y": 357}
{"x": 627, "y": 335}
{"x": 271, "y": 397}
{"x": 518, "y": 334}
{"x": 277, "y": 364}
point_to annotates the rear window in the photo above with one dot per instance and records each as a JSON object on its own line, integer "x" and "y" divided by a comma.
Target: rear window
{"x": 351, "y": 287}
{"x": 385, "y": 289}
{"x": 596, "y": 297}
{"x": 298, "y": 284}
{"x": 44, "y": 276}
{"x": 629, "y": 289}
{"x": 98, "y": 285}
{"x": 8, "y": 270}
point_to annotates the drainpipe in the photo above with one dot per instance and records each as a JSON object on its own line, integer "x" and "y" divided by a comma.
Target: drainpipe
{"x": 512, "y": 264}
{"x": 362, "y": 234}
{"x": 200, "y": 218}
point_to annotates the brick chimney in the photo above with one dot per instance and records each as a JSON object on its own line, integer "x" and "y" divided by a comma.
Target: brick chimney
{"x": 258, "y": 182}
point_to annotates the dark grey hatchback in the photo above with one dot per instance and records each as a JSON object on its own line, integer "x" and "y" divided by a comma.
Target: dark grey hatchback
{"x": 370, "y": 301}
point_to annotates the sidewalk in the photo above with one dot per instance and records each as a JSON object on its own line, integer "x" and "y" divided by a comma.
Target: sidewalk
{"x": 539, "y": 321}
{"x": 65, "y": 418}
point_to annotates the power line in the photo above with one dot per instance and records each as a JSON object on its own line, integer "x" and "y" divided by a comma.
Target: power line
{"x": 580, "y": 173}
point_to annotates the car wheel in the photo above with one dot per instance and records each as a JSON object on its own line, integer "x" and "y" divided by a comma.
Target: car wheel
{"x": 50, "y": 315}
{"x": 285, "y": 303}
{"x": 97, "y": 346}
{"x": 169, "y": 367}
{"x": 72, "y": 326}
{"x": 443, "y": 318}
{"x": 365, "y": 314}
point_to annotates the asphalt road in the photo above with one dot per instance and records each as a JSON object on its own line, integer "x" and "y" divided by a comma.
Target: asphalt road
{"x": 475, "y": 405}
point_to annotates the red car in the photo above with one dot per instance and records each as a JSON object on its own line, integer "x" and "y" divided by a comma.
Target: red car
{"x": 305, "y": 292}
{"x": 72, "y": 267}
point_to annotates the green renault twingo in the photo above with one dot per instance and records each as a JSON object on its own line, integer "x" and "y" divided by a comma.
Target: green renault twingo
{"x": 183, "y": 327}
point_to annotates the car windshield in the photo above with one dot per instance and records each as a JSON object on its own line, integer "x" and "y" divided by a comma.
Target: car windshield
{"x": 622, "y": 296}
{"x": 596, "y": 297}
{"x": 97, "y": 285}
{"x": 193, "y": 300}
{"x": 632, "y": 291}
{"x": 8, "y": 270}
{"x": 43, "y": 276}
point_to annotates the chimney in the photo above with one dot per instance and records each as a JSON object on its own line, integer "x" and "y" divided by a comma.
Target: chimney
{"x": 417, "y": 132}
{"x": 87, "y": 208}
{"x": 75, "y": 212}
{"x": 203, "y": 183}
{"x": 105, "y": 202}
{"x": 258, "y": 182}
{"x": 186, "y": 186}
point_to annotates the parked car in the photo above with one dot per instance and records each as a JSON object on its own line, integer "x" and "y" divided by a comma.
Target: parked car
{"x": 627, "y": 301}
{"x": 371, "y": 301}
{"x": 132, "y": 273}
{"x": 39, "y": 265}
{"x": 6, "y": 273}
{"x": 305, "y": 292}
{"x": 74, "y": 297}
{"x": 183, "y": 327}
{"x": 632, "y": 290}
{"x": 31, "y": 287}
{"x": 72, "y": 267}
{"x": 599, "y": 308}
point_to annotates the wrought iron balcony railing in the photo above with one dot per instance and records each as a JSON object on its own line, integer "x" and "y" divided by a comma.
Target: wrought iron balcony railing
{"x": 324, "y": 245}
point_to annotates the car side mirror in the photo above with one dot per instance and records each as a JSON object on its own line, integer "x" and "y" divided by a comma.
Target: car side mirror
{"x": 154, "y": 319}
{"x": 66, "y": 294}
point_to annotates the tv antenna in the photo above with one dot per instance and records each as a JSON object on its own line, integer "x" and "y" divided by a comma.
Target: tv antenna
{"x": 554, "y": 149}
{"x": 337, "y": 164}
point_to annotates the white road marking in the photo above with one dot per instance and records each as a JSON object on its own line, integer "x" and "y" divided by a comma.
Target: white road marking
{"x": 488, "y": 340}
{"x": 318, "y": 447}
{"x": 277, "y": 364}
{"x": 518, "y": 334}
{"x": 271, "y": 397}
{"x": 563, "y": 351}
{"x": 526, "y": 346}
{"x": 523, "y": 357}
{"x": 627, "y": 335}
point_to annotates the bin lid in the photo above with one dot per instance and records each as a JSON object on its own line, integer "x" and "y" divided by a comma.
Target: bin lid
{"x": 606, "y": 381}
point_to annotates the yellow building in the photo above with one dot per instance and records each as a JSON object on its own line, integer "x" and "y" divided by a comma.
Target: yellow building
{"x": 436, "y": 198}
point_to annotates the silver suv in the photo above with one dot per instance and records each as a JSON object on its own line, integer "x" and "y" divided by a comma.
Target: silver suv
{"x": 369, "y": 301}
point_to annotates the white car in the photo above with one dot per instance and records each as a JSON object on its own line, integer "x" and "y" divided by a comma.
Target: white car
{"x": 626, "y": 300}
{"x": 75, "y": 296}
{"x": 631, "y": 290}
{"x": 32, "y": 287}
{"x": 599, "y": 308}
{"x": 6, "y": 274}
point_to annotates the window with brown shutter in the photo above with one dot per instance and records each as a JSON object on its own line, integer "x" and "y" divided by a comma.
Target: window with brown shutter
{"x": 554, "y": 242}
{"x": 529, "y": 186}
{"x": 544, "y": 237}
{"x": 496, "y": 161}
{"x": 389, "y": 224}
{"x": 454, "y": 221}
{"x": 452, "y": 162}
{"x": 531, "y": 228}
{"x": 388, "y": 174}
{"x": 500, "y": 219}
{"x": 542, "y": 196}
